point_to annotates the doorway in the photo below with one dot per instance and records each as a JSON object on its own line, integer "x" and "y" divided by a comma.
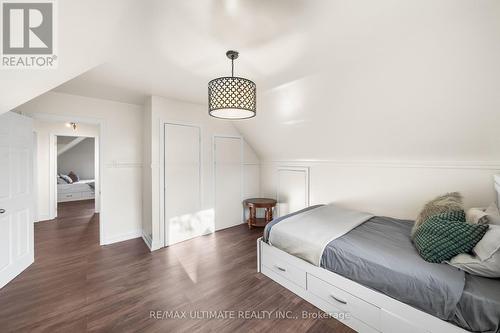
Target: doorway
{"x": 51, "y": 130}
{"x": 77, "y": 172}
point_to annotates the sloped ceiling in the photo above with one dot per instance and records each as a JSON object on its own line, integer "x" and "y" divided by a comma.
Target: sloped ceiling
{"x": 337, "y": 79}
{"x": 88, "y": 33}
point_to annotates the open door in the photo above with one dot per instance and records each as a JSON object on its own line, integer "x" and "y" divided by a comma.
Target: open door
{"x": 16, "y": 195}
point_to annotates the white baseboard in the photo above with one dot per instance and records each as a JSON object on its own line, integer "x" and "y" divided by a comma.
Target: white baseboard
{"x": 155, "y": 246}
{"x": 147, "y": 240}
{"x": 43, "y": 218}
{"x": 123, "y": 237}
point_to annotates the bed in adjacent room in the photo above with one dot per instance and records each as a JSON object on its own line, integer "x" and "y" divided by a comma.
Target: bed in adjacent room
{"x": 372, "y": 270}
{"x": 79, "y": 190}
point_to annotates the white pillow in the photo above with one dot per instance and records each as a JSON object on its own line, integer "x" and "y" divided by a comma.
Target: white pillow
{"x": 476, "y": 216}
{"x": 473, "y": 265}
{"x": 489, "y": 244}
{"x": 493, "y": 214}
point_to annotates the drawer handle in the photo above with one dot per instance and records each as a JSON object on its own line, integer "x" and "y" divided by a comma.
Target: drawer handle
{"x": 280, "y": 268}
{"x": 338, "y": 300}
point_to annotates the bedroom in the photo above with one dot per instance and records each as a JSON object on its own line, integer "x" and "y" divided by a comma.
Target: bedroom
{"x": 362, "y": 106}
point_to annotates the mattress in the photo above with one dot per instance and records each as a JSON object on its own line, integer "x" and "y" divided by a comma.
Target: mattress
{"x": 380, "y": 255}
{"x": 79, "y": 186}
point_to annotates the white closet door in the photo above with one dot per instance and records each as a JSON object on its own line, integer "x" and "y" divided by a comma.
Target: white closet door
{"x": 16, "y": 195}
{"x": 183, "y": 184}
{"x": 293, "y": 190}
{"x": 228, "y": 178}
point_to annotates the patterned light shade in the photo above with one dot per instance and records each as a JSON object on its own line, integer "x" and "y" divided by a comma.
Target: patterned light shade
{"x": 232, "y": 97}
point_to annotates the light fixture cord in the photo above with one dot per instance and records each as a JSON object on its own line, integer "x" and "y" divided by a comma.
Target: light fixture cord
{"x": 232, "y": 66}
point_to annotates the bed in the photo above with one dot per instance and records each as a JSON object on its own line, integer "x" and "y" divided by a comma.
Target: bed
{"x": 80, "y": 190}
{"x": 374, "y": 274}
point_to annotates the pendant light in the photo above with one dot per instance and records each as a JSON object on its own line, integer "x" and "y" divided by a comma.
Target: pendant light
{"x": 232, "y": 97}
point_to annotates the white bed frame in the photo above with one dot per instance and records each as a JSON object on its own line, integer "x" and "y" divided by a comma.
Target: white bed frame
{"x": 74, "y": 194}
{"x": 357, "y": 306}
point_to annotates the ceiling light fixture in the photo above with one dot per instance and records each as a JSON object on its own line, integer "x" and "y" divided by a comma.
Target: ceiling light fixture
{"x": 232, "y": 97}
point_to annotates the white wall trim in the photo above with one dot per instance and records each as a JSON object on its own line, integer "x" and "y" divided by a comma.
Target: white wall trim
{"x": 123, "y": 237}
{"x": 147, "y": 240}
{"x": 307, "y": 182}
{"x": 475, "y": 165}
{"x": 43, "y": 218}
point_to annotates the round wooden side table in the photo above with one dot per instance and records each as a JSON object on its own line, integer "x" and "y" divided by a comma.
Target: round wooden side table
{"x": 253, "y": 204}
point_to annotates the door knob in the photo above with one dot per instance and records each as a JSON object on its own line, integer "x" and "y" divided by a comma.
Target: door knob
{"x": 2, "y": 211}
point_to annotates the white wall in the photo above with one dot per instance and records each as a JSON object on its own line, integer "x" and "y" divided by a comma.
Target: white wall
{"x": 44, "y": 129}
{"x": 121, "y": 153}
{"x": 159, "y": 110}
{"x": 79, "y": 159}
{"x": 82, "y": 36}
{"x": 398, "y": 83}
{"x": 390, "y": 189}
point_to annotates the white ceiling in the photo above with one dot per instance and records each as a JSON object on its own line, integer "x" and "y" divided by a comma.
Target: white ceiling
{"x": 336, "y": 79}
{"x": 179, "y": 46}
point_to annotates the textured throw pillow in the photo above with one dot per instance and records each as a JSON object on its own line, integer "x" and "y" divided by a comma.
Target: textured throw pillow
{"x": 73, "y": 176}
{"x": 493, "y": 214}
{"x": 474, "y": 265}
{"x": 66, "y": 179}
{"x": 446, "y": 235}
{"x": 476, "y": 216}
{"x": 445, "y": 203}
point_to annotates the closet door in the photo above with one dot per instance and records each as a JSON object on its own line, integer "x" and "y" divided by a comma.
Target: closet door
{"x": 228, "y": 181}
{"x": 292, "y": 189}
{"x": 182, "y": 183}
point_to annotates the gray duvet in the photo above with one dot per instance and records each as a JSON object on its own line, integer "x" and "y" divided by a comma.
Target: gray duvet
{"x": 380, "y": 255}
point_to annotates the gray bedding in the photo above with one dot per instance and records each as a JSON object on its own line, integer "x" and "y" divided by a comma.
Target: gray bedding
{"x": 380, "y": 255}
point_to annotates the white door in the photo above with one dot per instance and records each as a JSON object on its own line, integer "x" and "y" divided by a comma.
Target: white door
{"x": 183, "y": 216}
{"x": 16, "y": 195}
{"x": 228, "y": 182}
{"x": 293, "y": 190}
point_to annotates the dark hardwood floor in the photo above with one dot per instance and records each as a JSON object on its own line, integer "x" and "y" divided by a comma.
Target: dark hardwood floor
{"x": 75, "y": 285}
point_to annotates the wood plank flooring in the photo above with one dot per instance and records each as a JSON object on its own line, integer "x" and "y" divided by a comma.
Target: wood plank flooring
{"x": 75, "y": 285}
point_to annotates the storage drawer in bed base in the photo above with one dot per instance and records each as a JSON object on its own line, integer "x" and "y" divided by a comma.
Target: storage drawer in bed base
{"x": 355, "y": 305}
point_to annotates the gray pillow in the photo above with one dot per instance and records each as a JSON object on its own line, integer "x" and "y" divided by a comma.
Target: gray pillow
{"x": 445, "y": 203}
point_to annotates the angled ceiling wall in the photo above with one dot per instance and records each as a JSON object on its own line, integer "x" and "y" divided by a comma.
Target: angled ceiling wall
{"x": 337, "y": 79}
{"x": 88, "y": 33}
{"x": 418, "y": 81}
